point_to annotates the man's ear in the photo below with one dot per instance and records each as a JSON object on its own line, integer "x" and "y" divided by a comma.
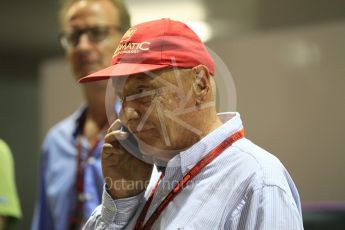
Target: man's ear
{"x": 201, "y": 83}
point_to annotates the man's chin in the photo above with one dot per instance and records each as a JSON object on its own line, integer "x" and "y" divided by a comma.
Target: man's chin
{"x": 87, "y": 70}
{"x": 158, "y": 153}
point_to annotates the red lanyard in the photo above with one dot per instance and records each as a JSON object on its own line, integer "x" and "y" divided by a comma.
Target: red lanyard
{"x": 76, "y": 220}
{"x": 179, "y": 187}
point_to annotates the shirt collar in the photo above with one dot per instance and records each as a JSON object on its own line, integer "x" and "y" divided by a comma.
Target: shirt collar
{"x": 79, "y": 117}
{"x": 79, "y": 120}
{"x": 188, "y": 158}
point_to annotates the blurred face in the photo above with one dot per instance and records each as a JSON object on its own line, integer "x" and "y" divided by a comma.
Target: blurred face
{"x": 154, "y": 110}
{"x": 91, "y": 30}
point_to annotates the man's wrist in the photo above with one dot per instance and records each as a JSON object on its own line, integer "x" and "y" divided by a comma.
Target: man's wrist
{"x": 121, "y": 189}
{"x": 119, "y": 210}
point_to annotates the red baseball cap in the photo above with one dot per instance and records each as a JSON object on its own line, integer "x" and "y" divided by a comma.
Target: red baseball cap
{"x": 155, "y": 45}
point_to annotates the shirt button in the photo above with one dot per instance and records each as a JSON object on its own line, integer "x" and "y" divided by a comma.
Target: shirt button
{"x": 84, "y": 197}
{"x": 91, "y": 161}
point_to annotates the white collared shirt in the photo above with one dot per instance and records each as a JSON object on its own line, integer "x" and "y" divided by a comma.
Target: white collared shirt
{"x": 245, "y": 187}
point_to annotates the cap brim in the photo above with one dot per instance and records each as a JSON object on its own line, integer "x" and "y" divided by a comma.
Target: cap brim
{"x": 121, "y": 70}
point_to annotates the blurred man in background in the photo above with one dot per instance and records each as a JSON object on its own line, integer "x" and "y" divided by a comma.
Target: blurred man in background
{"x": 10, "y": 210}
{"x": 71, "y": 179}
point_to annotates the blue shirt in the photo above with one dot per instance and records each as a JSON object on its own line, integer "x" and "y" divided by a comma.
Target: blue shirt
{"x": 57, "y": 191}
{"x": 245, "y": 187}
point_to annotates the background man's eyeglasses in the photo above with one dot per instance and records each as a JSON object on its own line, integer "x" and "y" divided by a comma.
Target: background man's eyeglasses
{"x": 95, "y": 35}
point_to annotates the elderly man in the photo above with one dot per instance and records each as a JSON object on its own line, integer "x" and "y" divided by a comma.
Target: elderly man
{"x": 211, "y": 176}
{"x": 71, "y": 179}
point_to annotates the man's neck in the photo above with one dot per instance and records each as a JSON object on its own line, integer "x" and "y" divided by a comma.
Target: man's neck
{"x": 210, "y": 124}
{"x": 214, "y": 124}
{"x": 96, "y": 117}
{"x": 97, "y": 114}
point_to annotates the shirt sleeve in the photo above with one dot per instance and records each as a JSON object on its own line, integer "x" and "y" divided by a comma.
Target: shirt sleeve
{"x": 269, "y": 207}
{"x": 113, "y": 214}
{"x": 42, "y": 216}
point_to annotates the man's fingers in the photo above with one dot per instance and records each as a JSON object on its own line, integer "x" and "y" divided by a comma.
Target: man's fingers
{"x": 109, "y": 149}
{"x": 115, "y": 136}
{"x": 115, "y": 126}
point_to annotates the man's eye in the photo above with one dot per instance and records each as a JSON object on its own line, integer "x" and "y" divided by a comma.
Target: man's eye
{"x": 119, "y": 98}
{"x": 140, "y": 94}
{"x": 73, "y": 38}
{"x": 97, "y": 34}
{"x": 141, "y": 90}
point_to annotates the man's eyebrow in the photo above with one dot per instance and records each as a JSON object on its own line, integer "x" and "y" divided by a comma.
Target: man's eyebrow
{"x": 140, "y": 95}
{"x": 138, "y": 82}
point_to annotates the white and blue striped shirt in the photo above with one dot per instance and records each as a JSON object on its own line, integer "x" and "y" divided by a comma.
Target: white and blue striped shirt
{"x": 243, "y": 188}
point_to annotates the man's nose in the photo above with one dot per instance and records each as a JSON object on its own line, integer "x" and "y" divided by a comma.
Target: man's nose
{"x": 127, "y": 114}
{"x": 84, "y": 42}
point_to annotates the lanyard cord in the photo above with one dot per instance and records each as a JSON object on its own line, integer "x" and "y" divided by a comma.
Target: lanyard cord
{"x": 76, "y": 218}
{"x": 179, "y": 187}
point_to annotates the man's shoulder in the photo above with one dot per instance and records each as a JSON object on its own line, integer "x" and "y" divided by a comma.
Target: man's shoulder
{"x": 260, "y": 156}
{"x": 262, "y": 167}
{"x": 63, "y": 129}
